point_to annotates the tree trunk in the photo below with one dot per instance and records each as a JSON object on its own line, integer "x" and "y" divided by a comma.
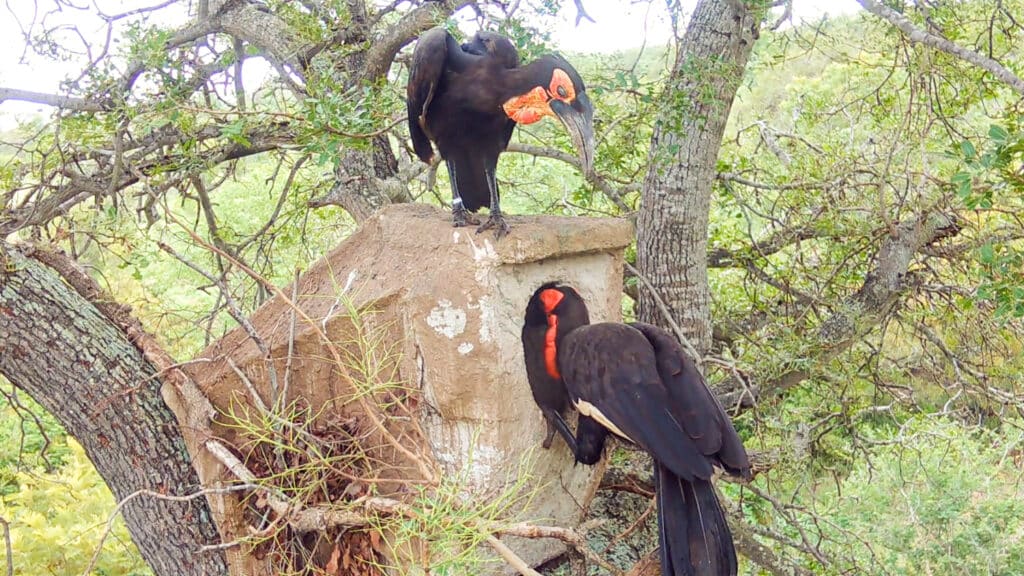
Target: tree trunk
{"x": 673, "y": 222}
{"x": 60, "y": 349}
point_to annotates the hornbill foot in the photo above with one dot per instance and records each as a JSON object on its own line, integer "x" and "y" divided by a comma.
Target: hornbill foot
{"x": 462, "y": 217}
{"x": 496, "y": 221}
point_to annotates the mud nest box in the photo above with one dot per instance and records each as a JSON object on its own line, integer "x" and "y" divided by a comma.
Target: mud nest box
{"x": 450, "y": 306}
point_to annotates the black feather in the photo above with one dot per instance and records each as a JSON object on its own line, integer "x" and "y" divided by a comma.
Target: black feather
{"x": 636, "y": 381}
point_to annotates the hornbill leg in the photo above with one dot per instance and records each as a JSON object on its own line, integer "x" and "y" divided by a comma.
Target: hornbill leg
{"x": 496, "y": 220}
{"x": 460, "y": 216}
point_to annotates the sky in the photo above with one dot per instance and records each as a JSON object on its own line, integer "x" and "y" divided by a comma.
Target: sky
{"x": 618, "y": 25}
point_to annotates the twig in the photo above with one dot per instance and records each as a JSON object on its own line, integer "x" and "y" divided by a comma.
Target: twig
{"x": 316, "y": 518}
{"x": 7, "y": 546}
{"x": 282, "y": 400}
{"x": 567, "y": 535}
{"x": 616, "y": 196}
{"x": 634, "y": 526}
{"x": 370, "y": 411}
{"x": 249, "y": 386}
{"x": 511, "y": 557}
{"x": 233, "y": 308}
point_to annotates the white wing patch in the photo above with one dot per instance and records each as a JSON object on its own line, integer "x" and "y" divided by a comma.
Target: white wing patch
{"x": 588, "y": 409}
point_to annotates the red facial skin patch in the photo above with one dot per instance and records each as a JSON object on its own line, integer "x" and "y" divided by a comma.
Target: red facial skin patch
{"x": 550, "y": 298}
{"x": 529, "y": 107}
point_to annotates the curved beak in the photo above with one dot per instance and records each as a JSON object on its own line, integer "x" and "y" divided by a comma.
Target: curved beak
{"x": 578, "y": 119}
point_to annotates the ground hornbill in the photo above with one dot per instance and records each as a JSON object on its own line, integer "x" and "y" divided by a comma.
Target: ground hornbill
{"x": 635, "y": 381}
{"x": 468, "y": 98}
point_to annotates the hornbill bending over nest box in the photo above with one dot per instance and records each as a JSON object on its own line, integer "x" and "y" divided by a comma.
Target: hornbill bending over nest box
{"x": 467, "y": 99}
{"x": 635, "y": 381}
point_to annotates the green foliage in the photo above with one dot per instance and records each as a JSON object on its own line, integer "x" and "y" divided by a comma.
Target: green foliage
{"x": 456, "y": 522}
{"x": 989, "y": 179}
{"x": 30, "y": 439}
{"x": 894, "y": 452}
{"x": 57, "y": 520}
{"x": 940, "y": 498}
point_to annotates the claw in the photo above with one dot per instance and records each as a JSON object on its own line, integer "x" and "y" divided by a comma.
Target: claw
{"x": 496, "y": 221}
{"x": 462, "y": 218}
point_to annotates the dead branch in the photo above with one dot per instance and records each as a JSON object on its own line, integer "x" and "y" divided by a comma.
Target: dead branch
{"x": 567, "y": 535}
{"x": 663, "y": 308}
{"x": 205, "y": 492}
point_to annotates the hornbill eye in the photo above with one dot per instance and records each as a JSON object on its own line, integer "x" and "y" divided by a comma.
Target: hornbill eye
{"x": 562, "y": 92}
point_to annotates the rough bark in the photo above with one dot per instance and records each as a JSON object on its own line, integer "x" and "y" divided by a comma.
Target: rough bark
{"x": 673, "y": 220}
{"x": 56, "y": 346}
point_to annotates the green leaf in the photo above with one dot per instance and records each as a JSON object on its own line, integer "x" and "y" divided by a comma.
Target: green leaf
{"x": 987, "y": 253}
{"x": 998, "y": 134}
{"x": 968, "y": 149}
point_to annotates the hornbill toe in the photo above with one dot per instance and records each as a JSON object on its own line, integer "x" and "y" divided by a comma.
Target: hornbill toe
{"x": 463, "y": 217}
{"x": 497, "y": 222}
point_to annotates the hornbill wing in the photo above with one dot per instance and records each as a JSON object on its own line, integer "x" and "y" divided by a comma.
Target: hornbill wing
{"x": 510, "y": 126}
{"x": 496, "y": 47}
{"x": 635, "y": 381}
{"x": 610, "y": 372}
{"x": 436, "y": 52}
{"x": 694, "y": 404}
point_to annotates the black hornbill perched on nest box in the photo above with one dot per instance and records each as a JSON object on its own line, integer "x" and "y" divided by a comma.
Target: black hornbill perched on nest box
{"x": 467, "y": 99}
{"x": 635, "y": 381}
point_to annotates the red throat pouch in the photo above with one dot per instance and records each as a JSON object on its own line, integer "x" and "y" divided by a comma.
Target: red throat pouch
{"x": 550, "y": 298}
{"x": 550, "y": 349}
{"x": 529, "y": 107}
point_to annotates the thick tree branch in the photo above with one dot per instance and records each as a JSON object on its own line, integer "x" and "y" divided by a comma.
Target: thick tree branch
{"x": 725, "y": 258}
{"x": 77, "y": 185}
{"x": 383, "y": 50}
{"x": 81, "y": 357}
{"x": 616, "y": 196}
{"x": 863, "y": 310}
{"x": 55, "y": 100}
{"x": 915, "y": 34}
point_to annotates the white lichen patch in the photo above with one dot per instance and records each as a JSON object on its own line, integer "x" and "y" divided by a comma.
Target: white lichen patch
{"x": 465, "y": 348}
{"x": 446, "y": 320}
{"x": 486, "y": 318}
{"x": 460, "y": 451}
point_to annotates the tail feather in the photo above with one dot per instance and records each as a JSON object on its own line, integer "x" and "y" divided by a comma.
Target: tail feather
{"x": 471, "y": 180}
{"x": 692, "y": 531}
